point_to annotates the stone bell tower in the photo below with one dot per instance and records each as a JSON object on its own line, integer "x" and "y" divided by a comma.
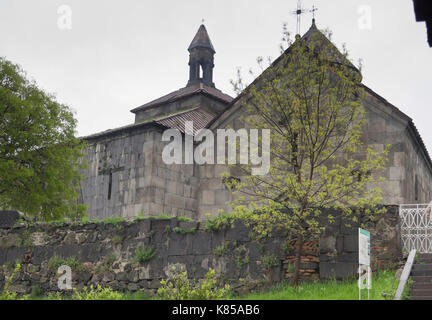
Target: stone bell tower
{"x": 201, "y": 59}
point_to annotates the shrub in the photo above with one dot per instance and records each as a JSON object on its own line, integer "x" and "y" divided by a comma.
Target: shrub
{"x": 270, "y": 261}
{"x": 144, "y": 254}
{"x": 108, "y": 262}
{"x": 56, "y": 261}
{"x": 179, "y": 287}
{"x": 97, "y": 293}
{"x": 183, "y": 231}
{"x": 220, "y": 222}
{"x": 6, "y": 294}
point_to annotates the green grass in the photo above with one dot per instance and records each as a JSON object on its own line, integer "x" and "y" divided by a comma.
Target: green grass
{"x": 144, "y": 254}
{"x": 56, "y": 261}
{"x": 161, "y": 216}
{"x": 383, "y": 281}
{"x": 181, "y": 219}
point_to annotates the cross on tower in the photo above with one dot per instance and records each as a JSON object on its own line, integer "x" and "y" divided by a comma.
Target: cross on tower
{"x": 299, "y": 12}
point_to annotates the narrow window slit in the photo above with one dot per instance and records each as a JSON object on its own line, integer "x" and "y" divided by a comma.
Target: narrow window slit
{"x": 109, "y": 185}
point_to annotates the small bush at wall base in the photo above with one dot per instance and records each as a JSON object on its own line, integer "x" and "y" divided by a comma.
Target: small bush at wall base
{"x": 97, "y": 293}
{"x": 5, "y": 294}
{"x": 144, "y": 254}
{"x": 179, "y": 287}
{"x": 269, "y": 261}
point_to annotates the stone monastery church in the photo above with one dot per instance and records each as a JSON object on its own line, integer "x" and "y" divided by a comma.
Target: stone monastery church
{"x": 126, "y": 175}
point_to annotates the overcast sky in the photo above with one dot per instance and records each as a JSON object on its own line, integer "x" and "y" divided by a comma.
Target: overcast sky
{"x": 117, "y": 55}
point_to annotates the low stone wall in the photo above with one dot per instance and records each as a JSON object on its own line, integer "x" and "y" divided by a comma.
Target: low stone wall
{"x": 105, "y": 253}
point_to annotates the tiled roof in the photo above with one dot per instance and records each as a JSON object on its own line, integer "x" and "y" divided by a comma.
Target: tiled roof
{"x": 185, "y": 92}
{"x": 201, "y": 39}
{"x": 199, "y": 117}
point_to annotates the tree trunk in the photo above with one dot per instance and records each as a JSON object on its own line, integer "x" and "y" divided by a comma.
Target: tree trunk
{"x": 299, "y": 251}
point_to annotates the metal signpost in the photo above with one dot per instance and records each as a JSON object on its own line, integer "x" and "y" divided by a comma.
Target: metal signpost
{"x": 365, "y": 272}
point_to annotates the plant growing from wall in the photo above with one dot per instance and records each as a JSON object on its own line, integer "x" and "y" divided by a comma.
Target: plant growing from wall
{"x": 5, "y": 293}
{"x": 220, "y": 222}
{"x": 108, "y": 262}
{"x": 183, "y": 231}
{"x": 311, "y": 102}
{"x": 117, "y": 239}
{"x": 221, "y": 249}
{"x": 241, "y": 261}
{"x": 269, "y": 261}
{"x": 144, "y": 253}
{"x": 56, "y": 261}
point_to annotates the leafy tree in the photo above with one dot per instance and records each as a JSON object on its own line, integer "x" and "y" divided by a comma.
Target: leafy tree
{"x": 39, "y": 153}
{"x": 311, "y": 100}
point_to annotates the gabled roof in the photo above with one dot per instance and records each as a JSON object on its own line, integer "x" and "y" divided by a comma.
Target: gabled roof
{"x": 314, "y": 33}
{"x": 186, "y": 92}
{"x": 201, "y": 40}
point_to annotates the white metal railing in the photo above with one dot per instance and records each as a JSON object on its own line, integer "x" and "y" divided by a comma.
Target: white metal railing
{"x": 416, "y": 227}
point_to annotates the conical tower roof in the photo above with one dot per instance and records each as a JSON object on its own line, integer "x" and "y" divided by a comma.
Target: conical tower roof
{"x": 201, "y": 40}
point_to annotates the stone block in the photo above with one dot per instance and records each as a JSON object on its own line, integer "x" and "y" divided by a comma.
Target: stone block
{"x": 399, "y": 159}
{"x": 327, "y": 244}
{"x": 397, "y": 173}
{"x": 351, "y": 257}
{"x": 239, "y": 232}
{"x": 188, "y": 225}
{"x": 201, "y": 243}
{"x": 208, "y": 197}
{"x": 8, "y": 218}
{"x": 174, "y": 200}
{"x": 178, "y": 244}
{"x": 338, "y": 270}
{"x": 190, "y": 204}
{"x": 350, "y": 243}
{"x": 222, "y": 196}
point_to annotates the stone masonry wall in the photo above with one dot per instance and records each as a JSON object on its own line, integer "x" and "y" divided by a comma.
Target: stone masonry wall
{"x": 104, "y": 253}
{"x": 126, "y": 176}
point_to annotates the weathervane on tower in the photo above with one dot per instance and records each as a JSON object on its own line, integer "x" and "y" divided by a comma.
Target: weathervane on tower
{"x": 314, "y": 9}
